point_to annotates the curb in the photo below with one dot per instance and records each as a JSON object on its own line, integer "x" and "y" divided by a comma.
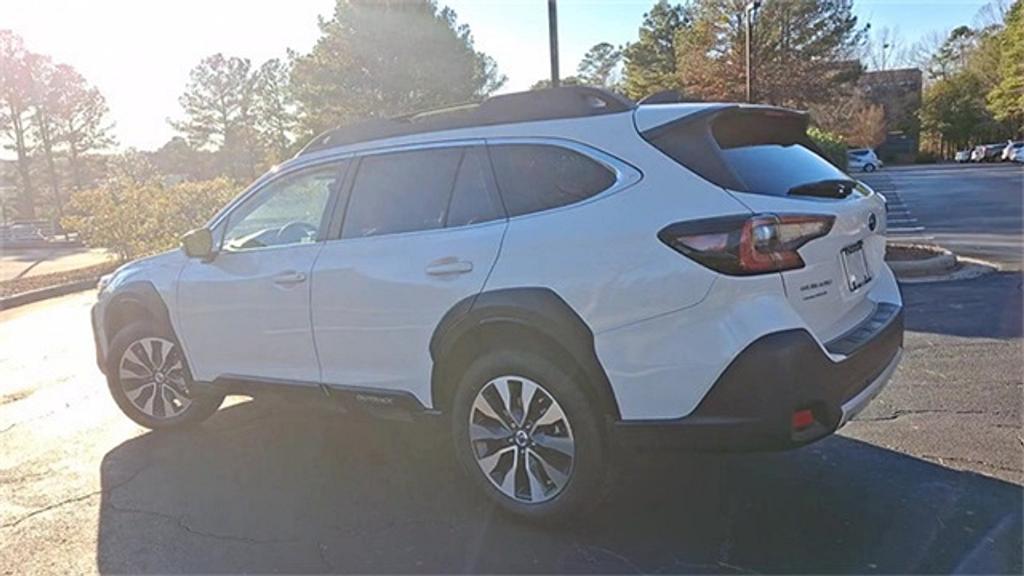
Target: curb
{"x": 44, "y": 293}
{"x": 944, "y": 261}
{"x": 967, "y": 269}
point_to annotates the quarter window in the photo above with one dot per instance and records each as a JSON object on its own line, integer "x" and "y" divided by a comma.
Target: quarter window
{"x": 535, "y": 177}
{"x": 401, "y": 192}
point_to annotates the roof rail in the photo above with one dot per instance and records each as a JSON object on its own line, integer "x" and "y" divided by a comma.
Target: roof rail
{"x": 547, "y": 104}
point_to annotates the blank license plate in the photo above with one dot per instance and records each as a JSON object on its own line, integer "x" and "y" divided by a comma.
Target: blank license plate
{"x": 855, "y": 264}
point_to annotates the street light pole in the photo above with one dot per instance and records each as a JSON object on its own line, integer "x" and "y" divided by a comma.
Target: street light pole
{"x": 748, "y": 16}
{"x": 553, "y": 39}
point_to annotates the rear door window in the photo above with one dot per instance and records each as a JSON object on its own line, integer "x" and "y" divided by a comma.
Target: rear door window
{"x": 401, "y": 192}
{"x": 474, "y": 198}
{"x": 537, "y": 177}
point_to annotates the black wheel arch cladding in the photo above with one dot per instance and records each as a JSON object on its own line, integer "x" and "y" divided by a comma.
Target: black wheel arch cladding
{"x": 536, "y": 314}
{"x": 132, "y": 299}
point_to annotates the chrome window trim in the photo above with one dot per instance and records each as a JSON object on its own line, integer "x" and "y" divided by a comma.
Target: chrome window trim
{"x": 626, "y": 175}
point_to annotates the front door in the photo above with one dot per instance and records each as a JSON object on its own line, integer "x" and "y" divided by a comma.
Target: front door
{"x": 246, "y": 312}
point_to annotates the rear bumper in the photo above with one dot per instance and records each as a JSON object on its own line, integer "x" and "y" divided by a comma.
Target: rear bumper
{"x": 751, "y": 405}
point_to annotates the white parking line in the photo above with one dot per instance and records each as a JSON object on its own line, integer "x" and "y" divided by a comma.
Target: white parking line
{"x": 901, "y": 220}
{"x": 906, "y": 230}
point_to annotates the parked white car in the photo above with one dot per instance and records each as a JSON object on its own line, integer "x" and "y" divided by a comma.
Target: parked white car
{"x": 962, "y": 156}
{"x": 863, "y": 159}
{"x": 1011, "y": 150}
{"x": 552, "y": 274}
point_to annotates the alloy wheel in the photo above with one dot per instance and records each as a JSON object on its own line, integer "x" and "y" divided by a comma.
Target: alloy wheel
{"x": 152, "y": 376}
{"x": 521, "y": 439}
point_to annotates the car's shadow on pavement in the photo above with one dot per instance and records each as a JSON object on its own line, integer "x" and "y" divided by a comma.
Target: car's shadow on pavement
{"x": 266, "y": 486}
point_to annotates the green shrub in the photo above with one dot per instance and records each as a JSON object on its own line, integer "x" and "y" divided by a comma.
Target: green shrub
{"x": 925, "y": 157}
{"x": 134, "y": 219}
{"x": 832, "y": 145}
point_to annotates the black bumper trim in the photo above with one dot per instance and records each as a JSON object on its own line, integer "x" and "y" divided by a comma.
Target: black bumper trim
{"x": 864, "y": 332}
{"x": 750, "y": 406}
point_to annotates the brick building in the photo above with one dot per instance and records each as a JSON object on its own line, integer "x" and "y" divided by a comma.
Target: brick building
{"x": 899, "y": 93}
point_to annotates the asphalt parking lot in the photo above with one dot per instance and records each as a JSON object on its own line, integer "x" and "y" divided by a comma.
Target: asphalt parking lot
{"x": 928, "y": 479}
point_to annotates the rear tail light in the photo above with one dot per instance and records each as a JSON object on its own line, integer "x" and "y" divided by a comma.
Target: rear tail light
{"x": 747, "y": 245}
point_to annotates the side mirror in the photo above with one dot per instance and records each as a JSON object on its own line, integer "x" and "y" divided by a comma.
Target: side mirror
{"x": 198, "y": 243}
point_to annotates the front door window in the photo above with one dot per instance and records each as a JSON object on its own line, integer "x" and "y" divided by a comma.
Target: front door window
{"x": 288, "y": 211}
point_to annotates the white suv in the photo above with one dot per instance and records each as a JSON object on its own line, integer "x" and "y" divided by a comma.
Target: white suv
{"x": 554, "y": 274}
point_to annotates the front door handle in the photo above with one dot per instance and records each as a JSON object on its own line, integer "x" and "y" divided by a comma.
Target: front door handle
{"x": 446, "y": 266}
{"x": 289, "y": 278}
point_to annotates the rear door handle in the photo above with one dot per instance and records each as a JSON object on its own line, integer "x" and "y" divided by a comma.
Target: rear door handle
{"x": 447, "y": 266}
{"x": 289, "y": 278}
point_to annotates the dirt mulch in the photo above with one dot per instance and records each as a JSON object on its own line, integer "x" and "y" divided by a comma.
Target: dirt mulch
{"x": 19, "y": 285}
{"x": 904, "y": 253}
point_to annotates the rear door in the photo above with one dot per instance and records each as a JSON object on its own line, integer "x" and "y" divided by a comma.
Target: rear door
{"x": 421, "y": 232}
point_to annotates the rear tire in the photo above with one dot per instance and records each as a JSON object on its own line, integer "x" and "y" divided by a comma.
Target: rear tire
{"x": 528, "y": 436}
{"x": 149, "y": 380}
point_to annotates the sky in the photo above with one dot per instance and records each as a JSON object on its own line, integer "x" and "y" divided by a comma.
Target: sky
{"x": 139, "y": 53}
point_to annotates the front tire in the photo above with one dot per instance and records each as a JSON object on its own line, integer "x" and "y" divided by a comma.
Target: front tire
{"x": 869, "y": 167}
{"x": 150, "y": 382}
{"x": 528, "y": 436}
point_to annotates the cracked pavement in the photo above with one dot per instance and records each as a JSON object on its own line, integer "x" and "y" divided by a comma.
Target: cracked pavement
{"x": 927, "y": 479}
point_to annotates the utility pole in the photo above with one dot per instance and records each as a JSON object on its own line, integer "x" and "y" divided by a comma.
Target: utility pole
{"x": 748, "y": 17}
{"x": 553, "y": 39}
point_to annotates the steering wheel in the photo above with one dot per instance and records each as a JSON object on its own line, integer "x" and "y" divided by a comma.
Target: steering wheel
{"x": 295, "y": 232}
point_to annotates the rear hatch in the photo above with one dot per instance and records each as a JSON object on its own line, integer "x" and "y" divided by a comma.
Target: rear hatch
{"x": 764, "y": 158}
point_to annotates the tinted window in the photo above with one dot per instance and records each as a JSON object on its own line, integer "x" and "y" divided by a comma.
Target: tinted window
{"x": 747, "y": 151}
{"x": 401, "y": 192}
{"x": 474, "y": 198}
{"x": 775, "y": 169}
{"x": 286, "y": 211}
{"x": 535, "y": 177}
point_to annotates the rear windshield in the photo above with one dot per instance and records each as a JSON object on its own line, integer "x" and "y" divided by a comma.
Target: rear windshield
{"x": 755, "y": 151}
{"x": 775, "y": 169}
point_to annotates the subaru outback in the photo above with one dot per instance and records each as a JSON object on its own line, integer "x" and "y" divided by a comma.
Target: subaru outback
{"x": 553, "y": 275}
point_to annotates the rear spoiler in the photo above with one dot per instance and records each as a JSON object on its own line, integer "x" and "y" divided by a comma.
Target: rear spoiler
{"x": 694, "y": 136}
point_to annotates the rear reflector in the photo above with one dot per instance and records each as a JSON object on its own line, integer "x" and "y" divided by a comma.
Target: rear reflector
{"x": 802, "y": 419}
{"x": 744, "y": 245}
